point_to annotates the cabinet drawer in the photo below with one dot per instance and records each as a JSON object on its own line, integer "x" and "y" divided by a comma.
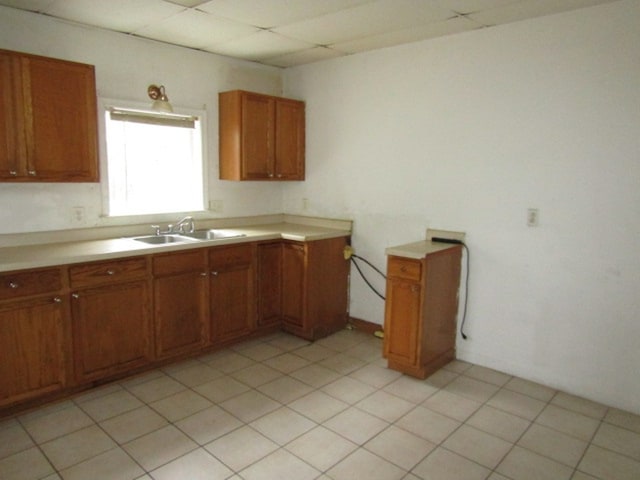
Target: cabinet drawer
{"x": 34, "y": 282}
{"x": 100, "y": 273}
{"x": 404, "y": 268}
{"x": 192, "y": 261}
{"x": 234, "y": 255}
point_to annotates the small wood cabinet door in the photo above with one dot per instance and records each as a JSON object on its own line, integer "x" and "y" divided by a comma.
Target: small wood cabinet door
{"x": 8, "y": 103}
{"x": 402, "y": 320}
{"x": 269, "y": 284}
{"x": 289, "y": 140}
{"x": 181, "y": 313}
{"x": 232, "y": 292}
{"x": 293, "y": 284}
{"x": 32, "y": 349}
{"x": 111, "y": 326}
{"x": 257, "y": 136}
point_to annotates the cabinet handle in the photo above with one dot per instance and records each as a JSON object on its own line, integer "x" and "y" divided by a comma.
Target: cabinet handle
{"x": 110, "y": 272}
{"x": 415, "y": 288}
{"x": 279, "y": 175}
{"x": 13, "y": 173}
{"x": 75, "y": 295}
{"x": 57, "y": 300}
{"x": 214, "y": 273}
{"x": 271, "y": 175}
{"x": 203, "y": 274}
{"x": 32, "y": 173}
{"x": 13, "y": 285}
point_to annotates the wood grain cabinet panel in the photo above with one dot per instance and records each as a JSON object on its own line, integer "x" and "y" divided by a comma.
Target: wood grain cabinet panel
{"x": 261, "y": 137}
{"x": 420, "y": 311}
{"x": 48, "y": 120}
{"x": 269, "y": 284}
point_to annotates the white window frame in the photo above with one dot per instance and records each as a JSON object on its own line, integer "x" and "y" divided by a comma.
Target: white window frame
{"x": 104, "y": 105}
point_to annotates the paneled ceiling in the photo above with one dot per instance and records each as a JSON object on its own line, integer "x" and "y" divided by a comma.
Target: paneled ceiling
{"x": 286, "y": 33}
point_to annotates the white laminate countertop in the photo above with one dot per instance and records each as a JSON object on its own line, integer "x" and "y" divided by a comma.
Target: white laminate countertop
{"x": 418, "y": 250}
{"x": 69, "y": 252}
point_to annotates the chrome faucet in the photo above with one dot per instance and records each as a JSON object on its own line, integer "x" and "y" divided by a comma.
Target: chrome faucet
{"x": 185, "y": 222}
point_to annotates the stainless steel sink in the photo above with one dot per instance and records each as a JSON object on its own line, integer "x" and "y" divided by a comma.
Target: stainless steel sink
{"x": 164, "y": 239}
{"x": 213, "y": 234}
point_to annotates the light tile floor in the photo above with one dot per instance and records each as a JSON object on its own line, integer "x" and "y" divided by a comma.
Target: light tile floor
{"x": 280, "y": 407}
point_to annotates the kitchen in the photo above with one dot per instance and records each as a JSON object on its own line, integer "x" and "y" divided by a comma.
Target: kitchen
{"x": 472, "y": 130}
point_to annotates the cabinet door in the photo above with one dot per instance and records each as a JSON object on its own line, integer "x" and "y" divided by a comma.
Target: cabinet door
{"x": 111, "y": 329}
{"x": 257, "y": 136}
{"x": 231, "y": 298}
{"x": 402, "y": 320}
{"x": 293, "y": 284}
{"x": 290, "y": 140}
{"x": 60, "y": 119}
{"x": 9, "y": 166}
{"x": 32, "y": 349}
{"x": 181, "y": 313}
{"x": 269, "y": 284}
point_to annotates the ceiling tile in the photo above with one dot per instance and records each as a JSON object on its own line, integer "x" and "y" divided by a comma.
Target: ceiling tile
{"x": 188, "y": 3}
{"x": 365, "y": 20}
{"x": 195, "y": 29}
{"x": 120, "y": 15}
{"x": 275, "y": 13}
{"x": 32, "y": 5}
{"x": 468, "y": 6}
{"x": 260, "y": 46}
{"x": 530, "y": 9}
{"x": 414, "y": 34}
{"x": 306, "y": 56}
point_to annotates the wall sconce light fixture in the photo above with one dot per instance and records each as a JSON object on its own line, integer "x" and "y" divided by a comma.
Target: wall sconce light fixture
{"x": 160, "y": 99}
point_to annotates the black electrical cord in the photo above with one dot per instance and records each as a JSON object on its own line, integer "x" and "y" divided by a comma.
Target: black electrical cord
{"x": 353, "y": 260}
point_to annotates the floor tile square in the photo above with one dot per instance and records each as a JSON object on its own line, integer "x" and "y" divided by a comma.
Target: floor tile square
{"x": 261, "y": 351}
{"x": 55, "y": 424}
{"x": 531, "y": 389}
{"x": 441, "y": 378}
{"x": 605, "y": 464}
{"x": 458, "y": 366}
{"x": 196, "y": 465}
{"x": 553, "y": 444}
{"x": 241, "y": 448}
{"x": 315, "y": 375}
{"x": 428, "y": 424}
{"x": 364, "y": 464}
{"x": 221, "y": 389}
{"x": 280, "y": 464}
{"x": 250, "y": 405}
{"x": 288, "y": 342}
{"x": 400, "y": 447}
{"x": 343, "y": 364}
{"x": 442, "y": 464}
{"x": 619, "y": 440}
{"x": 623, "y": 419}
{"x": 196, "y": 374}
{"x": 209, "y": 424}
{"x": 282, "y": 425}
{"x": 385, "y": 406}
{"x": 375, "y": 376}
{"x": 112, "y": 464}
{"x": 580, "y": 405}
{"x": 159, "y": 447}
{"x": 314, "y": 352}
{"x": 227, "y": 361}
{"x": 76, "y": 447}
{"x": 501, "y": 424}
{"x": 110, "y": 405}
{"x": 411, "y": 389}
{"x": 488, "y": 375}
{"x": 14, "y": 439}
{"x": 356, "y": 425}
{"x": 348, "y": 390}
{"x": 287, "y": 362}
{"x": 180, "y": 405}
{"x": 568, "y": 422}
{"x": 476, "y": 445}
{"x": 318, "y": 406}
{"x": 366, "y": 351}
{"x": 28, "y": 464}
{"x": 156, "y": 389}
{"x": 285, "y": 389}
{"x": 517, "y": 404}
{"x": 321, "y": 448}
{"x": 522, "y": 464}
{"x": 451, "y": 405}
{"x": 256, "y": 375}
{"x": 133, "y": 424}
{"x": 472, "y": 389}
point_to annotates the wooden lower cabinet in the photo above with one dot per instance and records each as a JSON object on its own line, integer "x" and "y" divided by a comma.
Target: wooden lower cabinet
{"x": 420, "y": 311}
{"x": 315, "y": 278}
{"x": 33, "y": 340}
{"x": 269, "y": 284}
{"x": 111, "y": 318}
{"x": 181, "y": 309}
{"x": 232, "y": 292}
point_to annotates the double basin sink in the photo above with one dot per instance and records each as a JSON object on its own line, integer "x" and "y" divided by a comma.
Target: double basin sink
{"x": 197, "y": 236}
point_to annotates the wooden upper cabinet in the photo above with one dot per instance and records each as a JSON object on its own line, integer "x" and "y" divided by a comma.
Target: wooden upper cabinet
{"x": 48, "y": 120}
{"x": 261, "y": 137}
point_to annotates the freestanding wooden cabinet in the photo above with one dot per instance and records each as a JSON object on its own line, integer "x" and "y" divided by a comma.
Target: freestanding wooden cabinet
{"x": 261, "y": 137}
{"x": 48, "y": 120}
{"x": 232, "y": 295}
{"x": 180, "y": 299}
{"x": 315, "y": 278}
{"x": 420, "y": 311}
{"x": 111, "y": 317}
{"x": 33, "y": 335}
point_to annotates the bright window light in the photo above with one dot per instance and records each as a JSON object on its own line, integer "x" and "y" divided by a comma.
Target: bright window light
{"x": 154, "y": 162}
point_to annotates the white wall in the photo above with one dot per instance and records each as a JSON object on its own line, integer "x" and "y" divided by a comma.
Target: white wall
{"x": 125, "y": 66}
{"x": 466, "y": 132}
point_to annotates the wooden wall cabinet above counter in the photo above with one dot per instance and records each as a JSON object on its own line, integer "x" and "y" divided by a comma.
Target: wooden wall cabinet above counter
{"x": 261, "y": 137}
{"x": 48, "y": 120}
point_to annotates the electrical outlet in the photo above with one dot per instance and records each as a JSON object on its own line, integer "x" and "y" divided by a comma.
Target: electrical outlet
{"x": 216, "y": 206}
{"x": 533, "y": 217}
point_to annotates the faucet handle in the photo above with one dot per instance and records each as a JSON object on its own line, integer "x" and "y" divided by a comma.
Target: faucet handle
{"x": 156, "y": 228}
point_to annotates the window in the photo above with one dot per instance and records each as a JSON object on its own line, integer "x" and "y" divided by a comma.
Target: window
{"x": 154, "y": 162}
